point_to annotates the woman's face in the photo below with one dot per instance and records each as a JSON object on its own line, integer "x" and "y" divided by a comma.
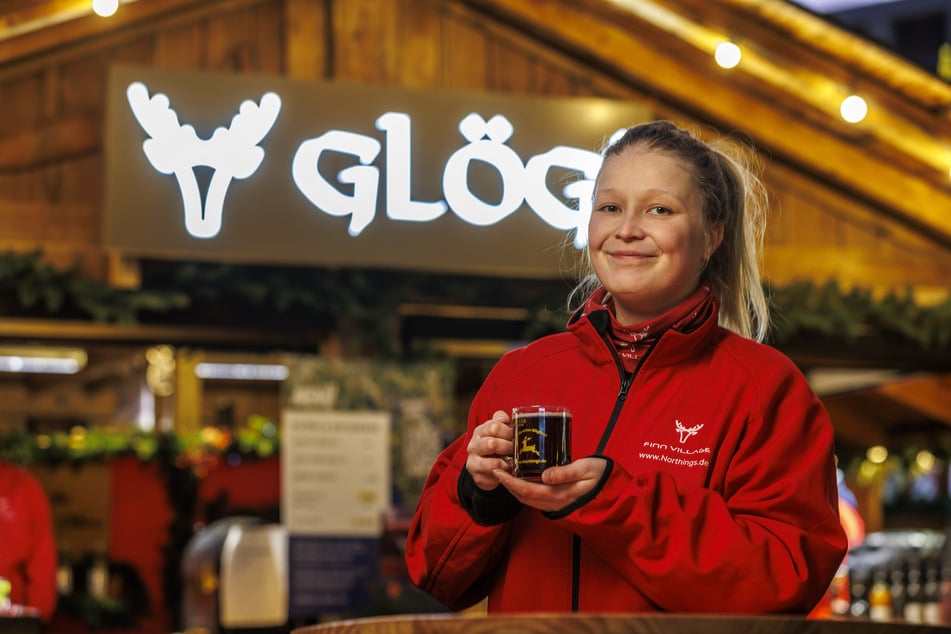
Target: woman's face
{"x": 646, "y": 236}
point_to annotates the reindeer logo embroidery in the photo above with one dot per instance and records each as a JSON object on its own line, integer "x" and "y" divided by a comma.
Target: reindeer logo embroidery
{"x": 231, "y": 152}
{"x": 687, "y": 432}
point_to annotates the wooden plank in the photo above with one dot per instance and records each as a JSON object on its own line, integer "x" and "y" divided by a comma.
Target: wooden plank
{"x": 464, "y": 48}
{"x": 305, "y": 50}
{"x": 852, "y": 267}
{"x": 45, "y": 222}
{"x": 418, "y": 34}
{"x": 930, "y": 395}
{"x": 90, "y": 259}
{"x": 182, "y": 46}
{"x": 82, "y": 85}
{"x": 267, "y": 38}
{"x": 20, "y": 102}
{"x": 226, "y": 42}
{"x": 58, "y": 140}
{"x": 510, "y": 71}
{"x": 656, "y": 623}
{"x": 364, "y": 41}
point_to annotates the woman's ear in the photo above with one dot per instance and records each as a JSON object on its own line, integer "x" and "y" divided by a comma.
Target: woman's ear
{"x": 714, "y": 239}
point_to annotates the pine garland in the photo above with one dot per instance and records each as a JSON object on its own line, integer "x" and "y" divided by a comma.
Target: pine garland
{"x": 363, "y": 304}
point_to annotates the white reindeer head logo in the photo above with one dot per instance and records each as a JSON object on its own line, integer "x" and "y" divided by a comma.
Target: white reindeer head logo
{"x": 687, "y": 432}
{"x": 231, "y": 152}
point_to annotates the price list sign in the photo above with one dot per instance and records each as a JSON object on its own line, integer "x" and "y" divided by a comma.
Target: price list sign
{"x": 335, "y": 490}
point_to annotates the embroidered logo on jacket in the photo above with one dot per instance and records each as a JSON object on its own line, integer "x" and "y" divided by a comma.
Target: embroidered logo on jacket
{"x": 687, "y": 432}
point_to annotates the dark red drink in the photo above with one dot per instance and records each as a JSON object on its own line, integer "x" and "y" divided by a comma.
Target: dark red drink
{"x": 542, "y": 439}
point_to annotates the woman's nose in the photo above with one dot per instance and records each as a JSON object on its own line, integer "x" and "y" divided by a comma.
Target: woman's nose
{"x": 629, "y": 226}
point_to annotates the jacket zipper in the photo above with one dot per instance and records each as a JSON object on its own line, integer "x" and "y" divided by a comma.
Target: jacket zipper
{"x": 627, "y": 378}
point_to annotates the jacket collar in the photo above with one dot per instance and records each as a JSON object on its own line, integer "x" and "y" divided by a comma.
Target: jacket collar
{"x": 672, "y": 348}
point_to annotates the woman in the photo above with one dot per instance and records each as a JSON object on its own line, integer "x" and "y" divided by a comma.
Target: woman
{"x": 705, "y": 478}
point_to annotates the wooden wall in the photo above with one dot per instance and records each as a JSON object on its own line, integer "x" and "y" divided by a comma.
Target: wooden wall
{"x": 51, "y": 159}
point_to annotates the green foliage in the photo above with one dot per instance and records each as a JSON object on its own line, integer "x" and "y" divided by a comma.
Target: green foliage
{"x": 830, "y": 312}
{"x": 363, "y": 305}
{"x": 31, "y": 287}
{"x": 258, "y": 439}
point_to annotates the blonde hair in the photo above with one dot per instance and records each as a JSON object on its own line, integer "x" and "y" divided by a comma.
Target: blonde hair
{"x": 732, "y": 193}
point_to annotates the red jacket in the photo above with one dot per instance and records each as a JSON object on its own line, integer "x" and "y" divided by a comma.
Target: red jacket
{"x": 27, "y": 546}
{"x": 720, "y": 492}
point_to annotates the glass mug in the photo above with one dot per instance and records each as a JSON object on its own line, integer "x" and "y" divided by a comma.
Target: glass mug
{"x": 542, "y": 439}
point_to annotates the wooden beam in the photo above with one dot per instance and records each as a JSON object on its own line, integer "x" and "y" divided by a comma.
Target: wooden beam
{"x": 789, "y": 110}
{"x": 930, "y": 395}
{"x": 852, "y": 425}
{"x": 855, "y": 266}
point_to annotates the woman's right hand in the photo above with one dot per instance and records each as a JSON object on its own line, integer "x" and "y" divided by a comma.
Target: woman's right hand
{"x": 489, "y": 448}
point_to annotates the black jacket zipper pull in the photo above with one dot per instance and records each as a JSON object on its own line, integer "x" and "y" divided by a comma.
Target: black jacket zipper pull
{"x": 625, "y": 386}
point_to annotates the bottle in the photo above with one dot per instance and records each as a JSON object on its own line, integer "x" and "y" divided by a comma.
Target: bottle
{"x": 914, "y": 594}
{"x": 880, "y": 597}
{"x": 897, "y": 579}
{"x": 859, "y": 590}
{"x": 64, "y": 575}
{"x": 931, "y": 604}
{"x": 840, "y": 597}
{"x": 945, "y": 612}
{"x": 97, "y": 579}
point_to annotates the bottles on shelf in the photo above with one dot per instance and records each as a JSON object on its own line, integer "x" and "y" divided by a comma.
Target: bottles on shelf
{"x": 901, "y": 576}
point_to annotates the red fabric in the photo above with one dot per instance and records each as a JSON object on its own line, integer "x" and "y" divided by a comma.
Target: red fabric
{"x": 27, "y": 544}
{"x": 632, "y": 341}
{"x": 721, "y": 496}
{"x": 250, "y": 486}
{"x": 139, "y": 531}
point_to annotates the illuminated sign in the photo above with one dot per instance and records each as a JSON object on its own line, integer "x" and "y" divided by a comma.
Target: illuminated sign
{"x": 438, "y": 182}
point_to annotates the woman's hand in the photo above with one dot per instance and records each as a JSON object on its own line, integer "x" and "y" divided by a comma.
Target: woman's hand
{"x": 490, "y": 445}
{"x": 560, "y": 486}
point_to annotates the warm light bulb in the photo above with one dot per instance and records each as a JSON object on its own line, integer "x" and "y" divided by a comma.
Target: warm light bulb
{"x": 877, "y": 454}
{"x": 105, "y": 8}
{"x": 925, "y": 460}
{"x": 727, "y": 54}
{"x": 853, "y": 109}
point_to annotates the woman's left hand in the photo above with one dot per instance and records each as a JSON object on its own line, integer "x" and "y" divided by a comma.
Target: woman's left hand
{"x": 560, "y": 486}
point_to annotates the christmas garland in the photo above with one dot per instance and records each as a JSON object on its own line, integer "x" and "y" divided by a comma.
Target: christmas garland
{"x": 363, "y": 305}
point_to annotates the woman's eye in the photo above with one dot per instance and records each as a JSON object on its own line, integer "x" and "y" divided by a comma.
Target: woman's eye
{"x": 661, "y": 211}
{"x": 609, "y": 208}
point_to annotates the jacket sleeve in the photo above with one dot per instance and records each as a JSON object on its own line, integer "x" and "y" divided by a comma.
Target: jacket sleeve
{"x": 459, "y": 533}
{"x": 40, "y": 565}
{"x": 769, "y": 541}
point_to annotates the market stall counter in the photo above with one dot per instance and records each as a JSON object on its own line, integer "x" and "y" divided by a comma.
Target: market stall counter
{"x": 612, "y": 624}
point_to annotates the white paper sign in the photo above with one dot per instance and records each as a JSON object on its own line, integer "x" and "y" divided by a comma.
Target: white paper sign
{"x": 254, "y": 577}
{"x": 335, "y": 472}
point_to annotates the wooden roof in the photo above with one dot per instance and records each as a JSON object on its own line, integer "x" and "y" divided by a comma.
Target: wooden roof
{"x": 784, "y": 95}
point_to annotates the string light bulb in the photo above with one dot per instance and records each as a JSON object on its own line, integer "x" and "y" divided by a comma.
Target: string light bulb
{"x": 727, "y": 54}
{"x": 105, "y": 8}
{"x": 877, "y": 454}
{"x": 853, "y": 109}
